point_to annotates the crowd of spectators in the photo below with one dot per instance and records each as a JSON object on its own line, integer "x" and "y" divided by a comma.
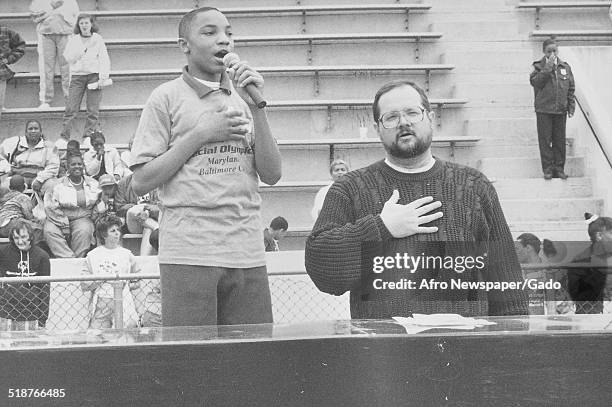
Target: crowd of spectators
{"x": 75, "y": 189}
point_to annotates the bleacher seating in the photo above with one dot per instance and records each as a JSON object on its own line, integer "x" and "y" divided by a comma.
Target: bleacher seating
{"x": 322, "y": 66}
{"x": 540, "y": 6}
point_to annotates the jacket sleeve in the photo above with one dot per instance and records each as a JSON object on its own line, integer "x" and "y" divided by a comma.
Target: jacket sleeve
{"x": 92, "y": 164}
{"x": 571, "y": 98}
{"x": 104, "y": 60}
{"x": 334, "y": 248}
{"x": 53, "y": 209}
{"x": 539, "y": 77}
{"x": 17, "y": 47}
{"x": 52, "y": 164}
{"x": 118, "y": 167}
{"x": 5, "y": 166}
{"x": 122, "y": 199}
{"x": 74, "y": 49}
{"x": 503, "y": 262}
{"x": 69, "y": 11}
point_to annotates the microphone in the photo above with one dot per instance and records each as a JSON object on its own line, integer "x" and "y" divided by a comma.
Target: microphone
{"x": 229, "y": 60}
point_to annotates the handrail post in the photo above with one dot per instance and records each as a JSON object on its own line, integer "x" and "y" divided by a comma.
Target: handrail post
{"x": 118, "y": 303}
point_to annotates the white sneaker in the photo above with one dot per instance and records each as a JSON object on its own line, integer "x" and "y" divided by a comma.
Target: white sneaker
{"x": 44, "y": 106}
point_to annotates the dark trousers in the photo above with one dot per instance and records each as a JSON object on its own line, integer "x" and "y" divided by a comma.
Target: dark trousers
{"x": 202, "y": 295}
{"x": 551, "y": 138}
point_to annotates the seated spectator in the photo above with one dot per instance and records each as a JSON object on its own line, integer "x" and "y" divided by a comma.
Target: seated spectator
{"x": 336, "y": 169}
{"x": 141, "y": 213}
{"x": 278, "y": 228}
{"x": 109, "y": 259}
{"x": 528, "y": 248}
{"x": 30, "y": 156}
{"x": 16, "y": 207}
{"x": 107, "y": 204}
{"x": 101, "y": 159}
{"x": 70, "y": 208}
{"x": 587, "y": 286}
{"x": 23, "y": 306}
{"x": 72, "y": 148}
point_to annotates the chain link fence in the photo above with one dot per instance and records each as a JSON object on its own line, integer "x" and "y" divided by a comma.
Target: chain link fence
{"x": 74, "y": 302}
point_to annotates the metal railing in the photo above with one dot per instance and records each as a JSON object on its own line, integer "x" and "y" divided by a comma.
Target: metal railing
{"x": 136, "y": 299}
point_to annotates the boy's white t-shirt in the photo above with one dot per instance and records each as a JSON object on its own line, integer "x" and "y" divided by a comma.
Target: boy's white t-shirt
{"x": 104, "y": 261}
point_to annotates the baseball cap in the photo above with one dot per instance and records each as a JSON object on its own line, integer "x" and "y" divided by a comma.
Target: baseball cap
{"x": 106, "y": 180}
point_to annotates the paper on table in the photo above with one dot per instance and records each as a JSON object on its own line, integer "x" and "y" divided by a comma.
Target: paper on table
{"x": 422, "y": 322}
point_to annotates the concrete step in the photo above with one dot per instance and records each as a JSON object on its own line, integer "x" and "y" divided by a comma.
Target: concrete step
{"x": 472, "y": 29}
{"x": 491, "y": 57}
{"x": 296, "y": 205}
{"x": 512, "y": 188}
{"x": 22, "y": 6}
{"x": 117, "y": 27}
{"x": 505, "y": 131}
{"x": 496, "y": 94}
{"x": 557, "y": 231}
{"x": 170, "y": 56}
{"x": 136, "y": 90}
{"x": 564, "y": 19}
{"x": 558, "y": 209}
{"x": 296, "y": 124}
{"x": 526, "y": 167}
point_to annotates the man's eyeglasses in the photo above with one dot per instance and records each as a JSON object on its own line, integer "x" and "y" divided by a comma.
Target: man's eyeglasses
{"x": 391, "y": 120}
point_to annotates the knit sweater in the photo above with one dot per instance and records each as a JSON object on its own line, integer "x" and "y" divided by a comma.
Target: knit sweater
{"x": 472, "y": 215}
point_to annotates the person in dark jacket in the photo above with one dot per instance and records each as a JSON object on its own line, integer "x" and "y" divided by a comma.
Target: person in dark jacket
{"x": 23, "y": 306}
{"x": 12, "y": 48}
{"x": 553, "y": 86}
{"x": 587, "y": 286}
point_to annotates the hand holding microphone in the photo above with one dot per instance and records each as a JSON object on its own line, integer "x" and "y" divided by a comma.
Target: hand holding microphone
{"x": 246, "y": 78}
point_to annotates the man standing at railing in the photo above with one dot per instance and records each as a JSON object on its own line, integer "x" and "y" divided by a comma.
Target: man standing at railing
{"x": 23, "y": 306}
{"x": 381, "y": 225}
{"x": 553, "y": 87}
{"x": 205, "y": 143}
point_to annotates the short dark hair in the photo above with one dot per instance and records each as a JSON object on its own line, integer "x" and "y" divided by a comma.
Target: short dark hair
{"x": 94, "y": 26}
{"x": 185, "y": 24}
{"x": 529, "y": 239}
{"x": 19, "y": 226}
{"x": 279, "y": 223}
{"x": 105, "y": 223}
{"x": 549, "y": 41}
{"x": 397, "y": 84}
{"x": 95, "y": 135}
{"x": 71, "y": 154}
{"x": 601, "y": 224}
{"x": 33, "y": 121}
{"x": 73, "y": 145}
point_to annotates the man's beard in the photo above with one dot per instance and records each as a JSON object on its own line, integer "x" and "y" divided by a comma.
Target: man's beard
{"x": 418, "y": 147}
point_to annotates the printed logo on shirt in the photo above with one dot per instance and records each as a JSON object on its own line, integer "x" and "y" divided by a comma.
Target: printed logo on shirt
{"x": 222, "y": 159}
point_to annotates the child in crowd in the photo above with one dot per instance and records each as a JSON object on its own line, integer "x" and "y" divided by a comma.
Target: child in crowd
{"x": 110, "y": 259}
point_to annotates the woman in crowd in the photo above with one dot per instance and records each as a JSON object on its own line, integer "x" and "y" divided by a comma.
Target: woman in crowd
{"x": 71, "y": 207}
{"x": 102, "y": 159}
{"x": 23, "y": 306}
{"x": 89, "y": 72}
{"x": 29, "y": 156}
{"x": 587, "y": 286}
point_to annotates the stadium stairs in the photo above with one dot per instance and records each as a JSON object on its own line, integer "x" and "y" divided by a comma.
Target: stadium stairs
{"x": 323, "y": 64}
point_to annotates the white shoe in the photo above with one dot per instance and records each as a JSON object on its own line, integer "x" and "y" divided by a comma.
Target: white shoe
{"x": 44, "y": 106}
